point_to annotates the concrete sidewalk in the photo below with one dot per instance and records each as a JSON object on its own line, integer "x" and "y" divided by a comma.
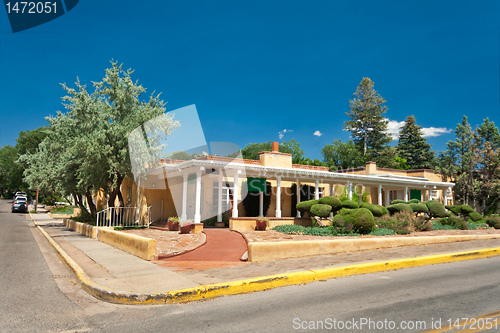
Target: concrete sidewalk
{"x": 116, "y": 270}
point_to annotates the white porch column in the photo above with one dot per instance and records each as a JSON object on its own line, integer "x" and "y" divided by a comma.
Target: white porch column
{"x": 380, "y": 195}
{"x": 219, "y": 199}
{"x": 278, "y": 197}
{"x": 387, "y": 203}
{"x": 316, "y": 191}
{"x": 197, "y": 213}
{"x": 406, "y": 193}
{"x": 350, "y": 191}
{"x": 298, "y": 196}
{"x": 235, "y": 195}
{"x": 261, "y": 204}
{"x": 184, "y": 196}
{"x": 451, "y": 195}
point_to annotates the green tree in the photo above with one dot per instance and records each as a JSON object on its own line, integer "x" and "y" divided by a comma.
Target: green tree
{"x": 252, "y": 150}
{"x": 367, "y": 123}
{"x": 413, "y": 147}
{"x": 389, "y": 158}
{"x": 92, "y": 136}
{"x": 10, "y": 172}
{"x": 340, "y": 155}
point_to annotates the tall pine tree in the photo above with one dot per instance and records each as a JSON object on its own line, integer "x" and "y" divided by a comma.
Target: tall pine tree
{"x": 413, "y": 147}
{"x": 368, "y": 125}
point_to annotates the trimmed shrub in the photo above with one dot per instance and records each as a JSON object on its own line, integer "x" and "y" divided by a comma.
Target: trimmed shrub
{"x": 364, "y": 222}
{"x": 493, "y": 221}
{"x": 393, "y": 202}
{"x": 384, "y": 210}
{"x": 321, "y": 210}
{"x": 305, "y": 206}
{"x": 396, "y": 208}
{"x": 413, "y": 201}
{"x": 436, "y": 209}
{"x": 475, "y": 216}
{"x": 343, "y": 222}
{"x": 350, "y": 204}
{"x": 466, "y": 209}
{"x": 331, "y": 201}
{"x": 454, "y": 209}
{"x": 376, "y": 210}
{"x": 419, "y": 207}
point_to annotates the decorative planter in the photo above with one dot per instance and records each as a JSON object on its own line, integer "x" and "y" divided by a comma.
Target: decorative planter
{"x": 173, "y": 226}
{"x": 186, "y": 229}
{"x": 260, "y": 225}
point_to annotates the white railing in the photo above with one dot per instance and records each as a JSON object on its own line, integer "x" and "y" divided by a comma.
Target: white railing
{"x": 130, "y": 216}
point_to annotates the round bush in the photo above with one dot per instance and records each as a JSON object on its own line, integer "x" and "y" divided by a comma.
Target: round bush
{"x": 419, "y": 207}
{"x": 436, "y": 209}
{"x": 364, "y": 221}
{"x": 331, "y": 201}
{"x": 305, "y": 206}
{"x": 475, "y": 216}
{"x": 343, "y": 217}
{"x": 413, "y": 201}
{"x": 384, "y": 210}
{"x": 376, "y": 210}
{"x": 454, "y": 209}
{"x": 396, "y": 208}
{"x": 393, "y": 202}
{"x": 321, "y": 210}
{"x": 350, "y": 204}
{"x": 466, "y": 209}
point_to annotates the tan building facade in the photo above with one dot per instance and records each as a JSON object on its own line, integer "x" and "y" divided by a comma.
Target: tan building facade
{"x": 209, "y": 186}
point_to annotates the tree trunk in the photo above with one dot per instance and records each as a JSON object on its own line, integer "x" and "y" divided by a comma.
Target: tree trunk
{"x": 116, "y": 192}
{"x": 90, "y": 203}
{"x": 79, "y": 201}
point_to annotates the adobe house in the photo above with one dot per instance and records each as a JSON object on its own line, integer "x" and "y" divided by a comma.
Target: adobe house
{"x": 208, "y": 186}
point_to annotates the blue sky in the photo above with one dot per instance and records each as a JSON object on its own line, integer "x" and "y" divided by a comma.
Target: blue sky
{"x": 257, "y": 68}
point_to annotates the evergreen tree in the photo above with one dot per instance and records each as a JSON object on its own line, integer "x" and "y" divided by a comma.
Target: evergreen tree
{"x": 413, "y": 147}
{"x": 367, "y": 125}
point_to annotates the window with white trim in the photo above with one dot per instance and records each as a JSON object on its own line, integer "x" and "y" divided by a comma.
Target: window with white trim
{"x": 434, "y": 194}
{"x": 227, "y": 194}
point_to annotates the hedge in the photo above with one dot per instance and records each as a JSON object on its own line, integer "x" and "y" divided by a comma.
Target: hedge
{"x": 466, "y": 209}
{"x": 350, "y": 204}
{"x": 475, "y": 216}
{"x": 396, "y": 208}
{"x": 376, "y": 210}
{"x": 397, "y": 201}
{"x": 436, "y": 209}
{"x": 413, "y": 201}
{"x": 305, "y": 206}
{"x": 419, "y": 207}
{"x": 321, "y": 210}
{"x": 364, "y": 222}
{"x": 454, "y": 209}
{"x": 331, "y": 201}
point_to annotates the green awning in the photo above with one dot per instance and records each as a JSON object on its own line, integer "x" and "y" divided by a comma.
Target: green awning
{"x": 256, "y": 184}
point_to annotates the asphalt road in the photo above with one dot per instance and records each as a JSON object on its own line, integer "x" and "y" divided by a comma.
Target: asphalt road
{"x": 39, "y": 294}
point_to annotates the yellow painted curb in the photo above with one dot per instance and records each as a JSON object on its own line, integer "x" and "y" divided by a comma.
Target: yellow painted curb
{"x": 255, "y": 284}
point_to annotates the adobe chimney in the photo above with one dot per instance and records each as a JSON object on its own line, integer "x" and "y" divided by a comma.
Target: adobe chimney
{"x": 275, "y": 147}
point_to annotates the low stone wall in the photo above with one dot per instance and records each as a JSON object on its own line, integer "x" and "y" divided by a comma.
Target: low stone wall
{"x": 82, "y": 228}
{"x": 248, "y": 223}
{"x": 144, "y": 248}
{"x": 265, "y": 251}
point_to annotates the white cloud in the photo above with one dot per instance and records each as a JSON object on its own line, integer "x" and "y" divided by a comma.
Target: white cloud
{"x": 435, "y": 131}
{"x": 282, "y": 133}
{"x": 318, "y": 133}
{"x": 394, "y": 127}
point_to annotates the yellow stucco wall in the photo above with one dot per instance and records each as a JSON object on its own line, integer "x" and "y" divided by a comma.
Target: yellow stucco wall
{"x": 277, "y": 160}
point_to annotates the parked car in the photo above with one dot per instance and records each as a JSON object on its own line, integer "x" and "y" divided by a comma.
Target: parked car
{"x": 20, "y": 205}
